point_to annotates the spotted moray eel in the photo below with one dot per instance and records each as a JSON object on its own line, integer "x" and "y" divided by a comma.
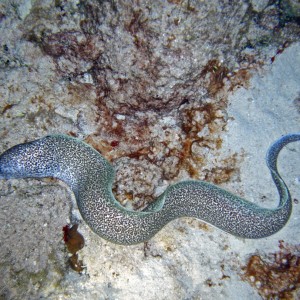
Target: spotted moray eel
{"x": 90, "y": 177}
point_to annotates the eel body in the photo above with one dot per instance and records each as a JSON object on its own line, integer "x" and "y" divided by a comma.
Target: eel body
{"x": 90, "y": 177}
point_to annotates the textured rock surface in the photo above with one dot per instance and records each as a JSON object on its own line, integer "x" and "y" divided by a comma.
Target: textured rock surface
{"x": 161, "y": 90}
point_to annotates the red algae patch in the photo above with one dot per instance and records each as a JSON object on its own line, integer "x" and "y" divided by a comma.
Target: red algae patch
{"x": 182, "y": 143}
{"x": 277, "y": 277}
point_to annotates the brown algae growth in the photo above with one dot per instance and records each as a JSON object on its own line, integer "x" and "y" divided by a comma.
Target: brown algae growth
{"x": 74, "y": 242}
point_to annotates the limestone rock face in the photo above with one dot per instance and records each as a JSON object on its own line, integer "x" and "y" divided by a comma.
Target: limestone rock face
{"x": 165, "y": 90}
